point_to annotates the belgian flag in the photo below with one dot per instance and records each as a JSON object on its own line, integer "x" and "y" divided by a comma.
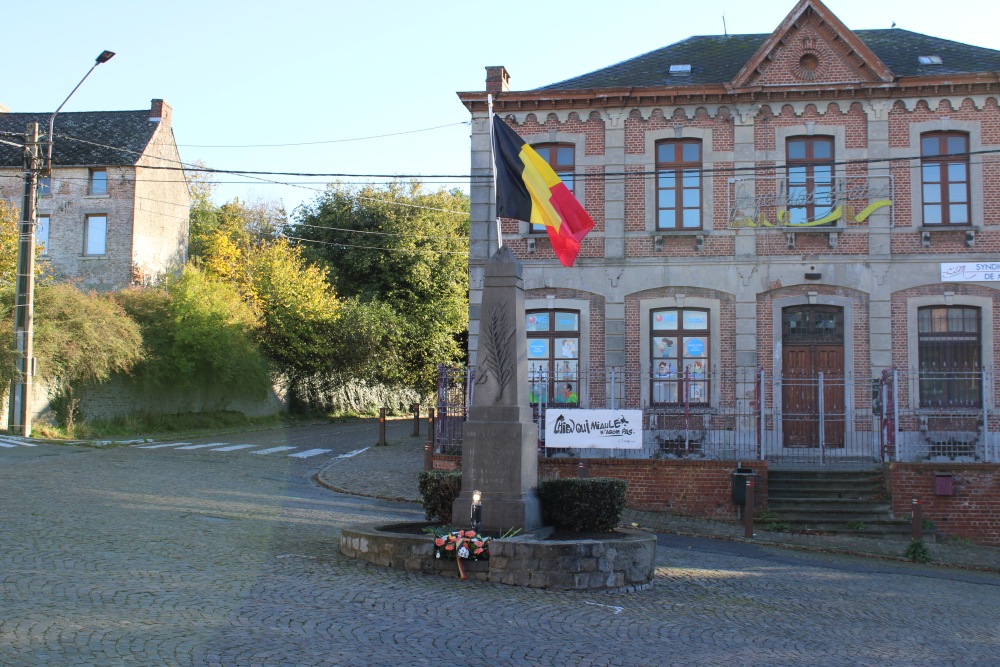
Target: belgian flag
{"x": 528, "y": 189}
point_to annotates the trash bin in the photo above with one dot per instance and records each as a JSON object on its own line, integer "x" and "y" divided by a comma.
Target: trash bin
{"x": 740, "y": 477}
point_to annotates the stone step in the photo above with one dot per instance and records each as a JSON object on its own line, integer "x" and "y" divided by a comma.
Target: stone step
{"x": 831, "y": 490}
{"x": 857, "y": 527}
{"x": 828, "y": 504}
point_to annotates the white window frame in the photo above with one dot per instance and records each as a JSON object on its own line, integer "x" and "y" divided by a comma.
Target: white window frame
{"x": 90, "y": 238}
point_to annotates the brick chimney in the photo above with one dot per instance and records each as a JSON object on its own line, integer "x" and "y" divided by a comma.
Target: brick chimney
{"x": 497, "y": 79}
{"x": 160, "y": 111}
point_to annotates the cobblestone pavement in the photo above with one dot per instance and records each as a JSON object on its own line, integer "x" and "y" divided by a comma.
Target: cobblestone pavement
{"x": 119, "y": 556}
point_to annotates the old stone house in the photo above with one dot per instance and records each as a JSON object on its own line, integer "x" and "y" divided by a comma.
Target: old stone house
{"x": 797, "y": 244}
{"x": 115, "y": 210}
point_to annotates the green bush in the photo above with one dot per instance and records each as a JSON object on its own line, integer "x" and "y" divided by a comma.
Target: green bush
{"x": 580, "y": 505}
{"x": 439, "y": 489}
{"x": 918, "y": 552}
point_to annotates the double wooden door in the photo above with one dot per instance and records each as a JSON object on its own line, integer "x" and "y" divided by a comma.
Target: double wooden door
{"x": 812, "y": 389}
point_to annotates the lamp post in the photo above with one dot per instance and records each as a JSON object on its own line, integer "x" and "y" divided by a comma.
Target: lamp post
{"x": 20, "y": 395}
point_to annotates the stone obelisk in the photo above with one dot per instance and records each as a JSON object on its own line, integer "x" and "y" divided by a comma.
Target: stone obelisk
{"x": 500, "y": 439}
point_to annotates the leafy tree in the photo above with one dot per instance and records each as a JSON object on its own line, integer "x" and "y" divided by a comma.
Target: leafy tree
{"x": 196, "y": 333}
{"x": 403, "y": 247}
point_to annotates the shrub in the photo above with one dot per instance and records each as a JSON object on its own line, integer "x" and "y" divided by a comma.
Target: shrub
{"x": 439, "y": 489}
{"x": 580, "y": 505}
{"x": 918, "y": 552}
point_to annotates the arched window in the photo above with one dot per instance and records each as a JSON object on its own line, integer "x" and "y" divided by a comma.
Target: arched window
{"x": 809, "y": 166}
{"x": 554, "y": 356}
{"x": 949, "y": 349}
{"x": 678, "y": 184}
{"x": 679, "y": 342}
{"x": 944, "y": 177}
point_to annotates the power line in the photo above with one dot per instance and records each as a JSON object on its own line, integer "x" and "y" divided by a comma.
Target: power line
{"x": 328, "y": 141}
{"x": 365, "y": 247}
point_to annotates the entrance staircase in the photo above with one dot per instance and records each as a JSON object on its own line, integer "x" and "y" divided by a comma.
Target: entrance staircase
{"x": 830, "y": 501}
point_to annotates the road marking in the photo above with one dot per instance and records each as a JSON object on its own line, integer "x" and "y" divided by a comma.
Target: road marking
{"x": 272, "y": 450}
{"x": 309, "y": 452}
{"x": 16, "y": 443}
{"x": 167, "y": 444}
{"x": 354, "y": 453}
{"x": 211, "y": 444}
{"x": 232, "y": 448}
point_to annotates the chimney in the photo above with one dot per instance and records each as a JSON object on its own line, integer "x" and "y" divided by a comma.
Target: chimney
{"x": 497, "y": 79}
{"x": 160, "y": 112}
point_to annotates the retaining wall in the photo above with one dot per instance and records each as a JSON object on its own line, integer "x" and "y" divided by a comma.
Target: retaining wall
{"x": 690, "y": 488}
{"x": 971, "y": 512}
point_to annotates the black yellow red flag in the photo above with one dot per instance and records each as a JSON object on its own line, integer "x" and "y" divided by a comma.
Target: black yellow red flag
{"x": 528, "y": 189}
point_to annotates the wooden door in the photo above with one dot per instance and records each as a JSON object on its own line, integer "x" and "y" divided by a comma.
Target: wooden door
{"x": 812, "y": 344}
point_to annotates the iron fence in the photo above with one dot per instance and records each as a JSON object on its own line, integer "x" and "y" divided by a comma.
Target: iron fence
{"x": 822, "y": 419}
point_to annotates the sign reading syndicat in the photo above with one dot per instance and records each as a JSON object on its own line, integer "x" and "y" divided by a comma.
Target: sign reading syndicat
{"x": 958, "y": 272}
{"x": 601, "y": 429}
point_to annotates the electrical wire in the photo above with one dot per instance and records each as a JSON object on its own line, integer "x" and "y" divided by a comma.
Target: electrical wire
{"x": 328, "y": 141}
{"x": 365, "y": 247}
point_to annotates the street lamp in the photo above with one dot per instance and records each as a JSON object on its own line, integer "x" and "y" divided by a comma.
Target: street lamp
{"x": 104, "y": 57}
{"x": 20, "y": 394}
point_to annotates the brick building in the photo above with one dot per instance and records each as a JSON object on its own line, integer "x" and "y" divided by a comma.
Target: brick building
{"x": 108, "y": 217}
{"x": 797, "y": 242}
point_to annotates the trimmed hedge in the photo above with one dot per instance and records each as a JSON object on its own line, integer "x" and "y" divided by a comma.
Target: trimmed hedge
{"x": 582, "y": 505}
{"x": 439, "y": 489}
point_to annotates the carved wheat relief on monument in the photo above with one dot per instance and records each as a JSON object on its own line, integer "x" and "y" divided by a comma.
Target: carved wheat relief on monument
{"x": 497, "y": 349}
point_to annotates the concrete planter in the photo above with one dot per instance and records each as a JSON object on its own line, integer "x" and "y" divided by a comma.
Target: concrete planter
{"x": 622, "y": 561}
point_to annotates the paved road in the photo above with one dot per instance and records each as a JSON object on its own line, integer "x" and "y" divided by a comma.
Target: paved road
{"x": 142, "y": 556}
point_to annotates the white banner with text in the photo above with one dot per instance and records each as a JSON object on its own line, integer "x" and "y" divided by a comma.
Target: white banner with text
{"x": 603, "y": 429}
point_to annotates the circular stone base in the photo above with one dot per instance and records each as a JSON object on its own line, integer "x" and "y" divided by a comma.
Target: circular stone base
{"x": 622, "y": 560}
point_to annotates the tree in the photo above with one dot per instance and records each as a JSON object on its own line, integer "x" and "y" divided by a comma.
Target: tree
{"x": 196, "y": 334}
{"x": 403, "y": 247}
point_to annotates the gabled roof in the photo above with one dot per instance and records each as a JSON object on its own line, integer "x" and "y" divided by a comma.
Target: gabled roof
{"x": 717, "y": 59}
{"x": 83, "y": 138}
{"x": 813, "y": 23}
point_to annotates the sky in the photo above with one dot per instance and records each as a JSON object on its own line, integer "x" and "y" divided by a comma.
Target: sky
{"x": 365, "y": 87}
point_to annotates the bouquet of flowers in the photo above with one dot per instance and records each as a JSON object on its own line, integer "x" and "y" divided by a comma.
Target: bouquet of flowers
{"x": 459, "y": 545}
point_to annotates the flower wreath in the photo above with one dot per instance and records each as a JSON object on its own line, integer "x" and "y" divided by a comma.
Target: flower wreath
{"x": 459, "y": 545}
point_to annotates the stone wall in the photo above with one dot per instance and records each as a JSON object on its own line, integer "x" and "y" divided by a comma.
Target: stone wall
{"x": 115, "y": 399}
{"x": 622, "y": 561}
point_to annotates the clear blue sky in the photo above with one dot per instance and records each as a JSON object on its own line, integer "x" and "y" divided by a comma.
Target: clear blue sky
{"x": 297, "y": 71}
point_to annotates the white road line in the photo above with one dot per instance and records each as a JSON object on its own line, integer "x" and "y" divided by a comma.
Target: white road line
{"x": 354, "y": 453}
{"x": 16, "y": 443}
{"x": 272, "y": 450}
{"x": 309, "y": 452}
{"x": 232, "y": 448}
{"x": 166, "y": 444}
{"x": 211, "y": 444}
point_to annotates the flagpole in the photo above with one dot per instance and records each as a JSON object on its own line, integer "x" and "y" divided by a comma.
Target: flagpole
{"x": 493, "y": 167}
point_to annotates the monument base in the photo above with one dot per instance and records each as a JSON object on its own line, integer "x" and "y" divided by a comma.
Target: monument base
{"x": 500, "y": 460}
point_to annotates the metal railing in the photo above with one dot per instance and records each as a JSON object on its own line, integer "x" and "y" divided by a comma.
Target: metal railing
{"x": 821, "y": 419}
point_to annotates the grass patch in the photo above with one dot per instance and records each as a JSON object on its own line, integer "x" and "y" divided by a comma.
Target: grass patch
{"x": 152, "y": 425}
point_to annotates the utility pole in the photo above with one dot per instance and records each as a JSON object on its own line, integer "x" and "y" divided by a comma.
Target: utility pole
{"x": 20, "y": 395}
{"x": 24, "y": 301}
